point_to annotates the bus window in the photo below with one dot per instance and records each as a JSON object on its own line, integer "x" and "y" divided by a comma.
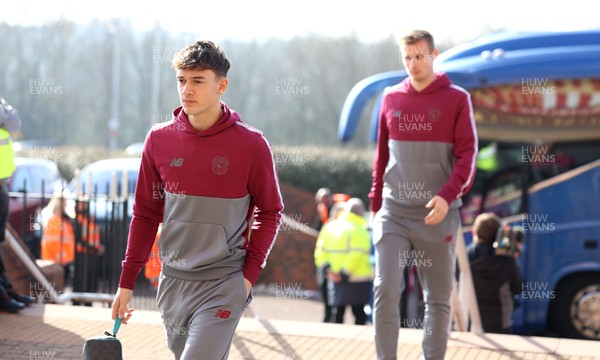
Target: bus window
{"x": 502, "y": 192}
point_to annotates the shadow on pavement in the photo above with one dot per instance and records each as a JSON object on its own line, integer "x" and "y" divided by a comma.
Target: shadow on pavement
{"x": 28, "y": 337}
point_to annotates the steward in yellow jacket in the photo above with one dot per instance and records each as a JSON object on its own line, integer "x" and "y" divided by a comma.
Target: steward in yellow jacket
{"x": 7, "y": 165}
{"x": 344, "y": 244}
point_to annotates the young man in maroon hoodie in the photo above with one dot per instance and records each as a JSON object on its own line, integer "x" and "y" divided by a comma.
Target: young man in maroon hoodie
{"x": 424, "y": 163}
{"x": 211, "y": 180}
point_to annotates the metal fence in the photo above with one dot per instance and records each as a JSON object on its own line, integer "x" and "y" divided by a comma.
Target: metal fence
{"x": 100, "y": 227}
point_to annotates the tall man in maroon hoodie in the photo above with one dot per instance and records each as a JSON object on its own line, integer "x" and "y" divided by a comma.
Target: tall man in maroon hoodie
{"x": 424, "y": 163}
{"x": 210, "y": 179}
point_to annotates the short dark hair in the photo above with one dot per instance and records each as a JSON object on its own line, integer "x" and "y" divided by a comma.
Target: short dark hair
{"x": 202, "y": 55}
{"x": 418, "y": 35}
{"x": 486, "y": 226}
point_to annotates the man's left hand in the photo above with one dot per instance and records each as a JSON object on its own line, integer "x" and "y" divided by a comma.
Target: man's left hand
{"x": 439, "y": 210}
{"x": 248, "y": 287}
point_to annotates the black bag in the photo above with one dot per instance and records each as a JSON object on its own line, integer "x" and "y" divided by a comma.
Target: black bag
{"x": 106, "y": 347}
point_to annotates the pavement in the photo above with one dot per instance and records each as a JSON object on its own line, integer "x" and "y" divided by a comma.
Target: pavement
{"x": 49, "y": 331}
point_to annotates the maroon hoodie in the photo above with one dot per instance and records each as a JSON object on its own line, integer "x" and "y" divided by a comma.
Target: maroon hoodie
{"x": 427, "y": 146}
{"x": 211, "y": 189}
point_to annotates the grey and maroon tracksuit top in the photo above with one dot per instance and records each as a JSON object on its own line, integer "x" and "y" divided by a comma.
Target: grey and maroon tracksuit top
{"x": 217, "y": 194}
{"x": 427, "y": 146}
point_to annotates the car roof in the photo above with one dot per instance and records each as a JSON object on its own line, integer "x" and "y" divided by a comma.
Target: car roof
{"x": 19, "y": 161}
{"x": 107, "y": 165}
{"x": 135, "y": 148}
{"x": 112, "y": 164}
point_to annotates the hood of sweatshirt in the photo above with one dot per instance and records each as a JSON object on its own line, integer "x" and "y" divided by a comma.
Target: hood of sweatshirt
{"x": 229, "y": 118}
{"x": 442, "y": 81}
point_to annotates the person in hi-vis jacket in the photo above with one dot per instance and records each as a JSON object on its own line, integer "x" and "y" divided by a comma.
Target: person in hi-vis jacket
{"x": 210, "y": 178}
{"x": 424, "y": 163}
{"x": 10, "y": 122}
{"x": 344, "y": 249}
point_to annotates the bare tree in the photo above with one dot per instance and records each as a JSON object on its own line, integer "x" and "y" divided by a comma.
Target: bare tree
{"x": 59, "y": 77}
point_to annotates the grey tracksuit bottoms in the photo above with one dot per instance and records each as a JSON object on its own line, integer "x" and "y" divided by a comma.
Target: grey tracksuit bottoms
{"x": 401, "y": 242}
{"x": 200, "y": 317}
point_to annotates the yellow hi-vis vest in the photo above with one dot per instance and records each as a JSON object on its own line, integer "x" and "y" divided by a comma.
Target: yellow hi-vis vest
{"x": 345, "y": 245}
{"x": 7, "y": 155}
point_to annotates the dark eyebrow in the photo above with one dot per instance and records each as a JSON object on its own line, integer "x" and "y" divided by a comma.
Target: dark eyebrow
{"x": 193, "y": 78}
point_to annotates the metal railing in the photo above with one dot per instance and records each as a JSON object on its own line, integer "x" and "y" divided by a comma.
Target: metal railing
{"x": 97, "y": 267}
{"x": 100, "y": 226}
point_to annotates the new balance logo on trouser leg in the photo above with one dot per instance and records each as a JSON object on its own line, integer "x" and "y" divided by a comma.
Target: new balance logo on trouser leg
{"x": 200, "y": 317}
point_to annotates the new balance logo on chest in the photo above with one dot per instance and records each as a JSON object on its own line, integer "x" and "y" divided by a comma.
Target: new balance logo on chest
{"x": 176, "y": 162}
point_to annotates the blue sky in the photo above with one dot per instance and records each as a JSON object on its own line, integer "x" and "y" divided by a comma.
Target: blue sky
{"x": 455, "y": 21}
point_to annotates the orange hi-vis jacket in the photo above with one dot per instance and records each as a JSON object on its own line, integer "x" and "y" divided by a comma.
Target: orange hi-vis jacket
{"x": 90, "y": 235}
{"x": 152, "y": 268}
{"x": 58, "y": 241}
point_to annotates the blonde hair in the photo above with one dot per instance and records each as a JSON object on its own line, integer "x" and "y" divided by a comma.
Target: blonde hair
{"x": 417, "y": 35}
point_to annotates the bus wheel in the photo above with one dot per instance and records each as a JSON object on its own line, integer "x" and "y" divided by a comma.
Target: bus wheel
{"x": 577, "y": 308}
